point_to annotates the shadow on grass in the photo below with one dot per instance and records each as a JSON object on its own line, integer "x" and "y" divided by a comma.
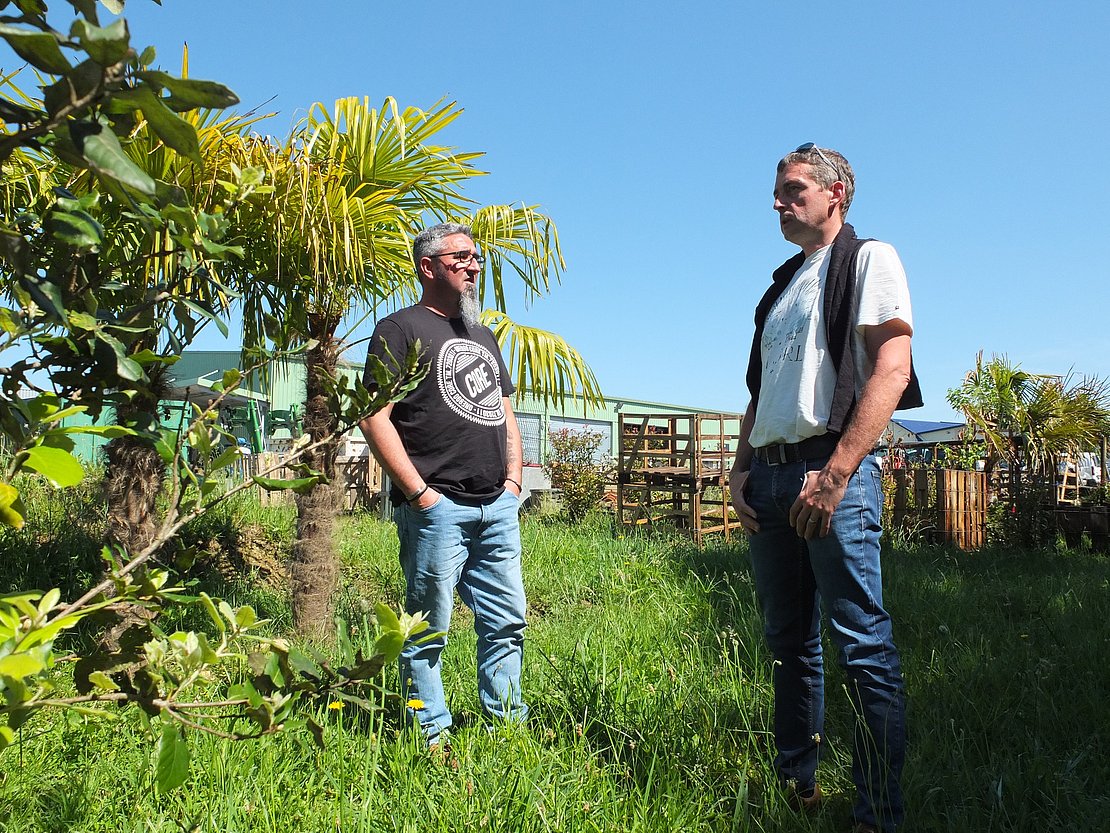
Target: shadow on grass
{"x": 1003, "y": 655}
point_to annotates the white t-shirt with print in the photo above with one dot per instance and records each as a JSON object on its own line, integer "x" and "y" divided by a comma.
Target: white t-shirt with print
{"x": 796, "y": 392}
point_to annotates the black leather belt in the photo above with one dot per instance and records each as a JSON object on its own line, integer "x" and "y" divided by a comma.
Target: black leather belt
{"x": 808, "y": 449}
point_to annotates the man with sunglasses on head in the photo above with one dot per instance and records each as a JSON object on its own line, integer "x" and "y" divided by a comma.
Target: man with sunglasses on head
{"x": 829, "y": 364}
{"x": 452, "y": 451}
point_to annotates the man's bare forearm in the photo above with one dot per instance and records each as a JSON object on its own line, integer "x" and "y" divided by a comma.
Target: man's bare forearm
{"x": 876, "y": 405}
{"x": 385, "y": 443}
{"x": 744, "y": 450}
{"x": 514, "y": 446}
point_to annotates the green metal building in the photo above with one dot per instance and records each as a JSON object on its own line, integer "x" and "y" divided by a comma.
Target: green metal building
{"x": 267, "y": 416}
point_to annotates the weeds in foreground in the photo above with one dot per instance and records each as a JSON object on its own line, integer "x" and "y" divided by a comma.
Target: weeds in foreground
{"x": 651, "y": 709}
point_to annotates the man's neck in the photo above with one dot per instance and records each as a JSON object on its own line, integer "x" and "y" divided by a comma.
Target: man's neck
{"x": 828, "y": 234}
{"x": 440, "y": 306}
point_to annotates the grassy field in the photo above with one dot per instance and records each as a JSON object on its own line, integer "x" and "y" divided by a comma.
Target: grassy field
{"x": 650, "y": 700}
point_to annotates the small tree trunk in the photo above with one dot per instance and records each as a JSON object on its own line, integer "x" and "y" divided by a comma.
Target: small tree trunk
{"x": 135, "y": 473}
{"x": 132, "y": 483}
{"x": 314, "y": 572}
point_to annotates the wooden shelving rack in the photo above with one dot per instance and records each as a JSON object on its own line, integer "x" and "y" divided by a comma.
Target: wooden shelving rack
{"x": 674, "y": 468}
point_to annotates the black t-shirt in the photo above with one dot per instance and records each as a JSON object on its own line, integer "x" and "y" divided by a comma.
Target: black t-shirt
{"x": 453, "y": 424}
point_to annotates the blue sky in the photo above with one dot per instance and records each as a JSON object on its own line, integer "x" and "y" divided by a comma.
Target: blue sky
{"x": 649, "y": 131}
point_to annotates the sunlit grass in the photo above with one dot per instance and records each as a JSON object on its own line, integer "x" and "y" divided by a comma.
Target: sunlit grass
{"x": 650, "y": 695}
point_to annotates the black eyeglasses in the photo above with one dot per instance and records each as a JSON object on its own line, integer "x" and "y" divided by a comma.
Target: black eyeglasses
{"x": 808, "y": 146}
{"x": 463, "y": 257}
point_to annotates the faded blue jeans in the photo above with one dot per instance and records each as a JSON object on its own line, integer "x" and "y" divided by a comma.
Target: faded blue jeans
{"x": 475, "y": 548}
{"x": 795, "y": 580}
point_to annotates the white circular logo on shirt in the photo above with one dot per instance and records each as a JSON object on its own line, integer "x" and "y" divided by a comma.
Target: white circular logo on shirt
{"x": 469, "y": 381}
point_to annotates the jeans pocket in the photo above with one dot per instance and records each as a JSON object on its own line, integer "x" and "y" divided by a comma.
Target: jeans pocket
{"x": 427, "y": 510}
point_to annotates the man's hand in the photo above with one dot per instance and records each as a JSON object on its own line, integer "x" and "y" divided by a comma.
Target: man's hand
{"x": 737, "y": 482}
{"x": 426, "y": 500}
{"x": 510, "y": 486}
{"x": 811, "y": 514}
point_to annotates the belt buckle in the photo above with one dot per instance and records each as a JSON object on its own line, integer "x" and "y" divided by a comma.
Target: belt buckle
{"x": 776, "y": 455}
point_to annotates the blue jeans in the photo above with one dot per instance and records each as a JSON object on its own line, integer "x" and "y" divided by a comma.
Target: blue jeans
{"x": 795, "y": 579}
{"x": 475, "y": 548}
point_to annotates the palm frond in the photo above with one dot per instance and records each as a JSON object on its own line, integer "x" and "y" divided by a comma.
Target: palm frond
{"x": 542, "y": 363}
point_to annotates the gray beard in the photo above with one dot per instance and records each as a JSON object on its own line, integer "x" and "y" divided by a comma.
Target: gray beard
{"x": 468, "y": 307}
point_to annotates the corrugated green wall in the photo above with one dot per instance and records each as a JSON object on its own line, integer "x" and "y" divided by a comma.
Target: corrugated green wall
{"x": 286, "y": 386}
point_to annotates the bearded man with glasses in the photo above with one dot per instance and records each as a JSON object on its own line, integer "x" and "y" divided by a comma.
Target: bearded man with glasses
{"x": 829, "y": 364}
{"x": 453, "y": 454}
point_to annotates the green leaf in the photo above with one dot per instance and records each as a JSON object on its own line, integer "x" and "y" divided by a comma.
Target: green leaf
{"x": 7, "y": 737}
{"x": 20, "y": 665}
{"x": 109, "y": 431}
{"x": 245, "y": 617}
{"x": 145, "y": 357}
{"x": 232, "y": 378}
{"x": 213, "y": 614}
{"x": 42, "y": 406}
{"x": 301, "y": 485}
{"x": 108, "y": 45}
{"x": 8, "y": 321}
{"x": 39, "y": 49}
{"x": 127, "y": 368}
{"x": 206, "y": 312}
{"x": 12, "y": 512}
{"x": 189, "y": 93}
{"x": 389, "y": 644}
{"x": 49, "y": 600}
{"x": 77, "y": 228}
{"x": 170, "y": 127}
{"x": 65, "y": 412}
{"x": 101, "y": 149}
{"x": 166, "y": 446}
{"x": 30, "y": 7}
{"x": 173, "y": 759}
{"x": 114, "y": 6}
{"x": 103, "y": 681}
{"x": 387, "y": 619}
{"x": 86, "y": 8}
{"x": 59, "y": 467}
{"x": 46, "y": 633}
{"x": 57, "y": 438}
{"x": 225, "y": 459}
{"x": 74, "y": 85}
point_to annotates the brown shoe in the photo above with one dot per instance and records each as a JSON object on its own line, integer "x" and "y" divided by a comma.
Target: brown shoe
{"x": 806, "y": 803}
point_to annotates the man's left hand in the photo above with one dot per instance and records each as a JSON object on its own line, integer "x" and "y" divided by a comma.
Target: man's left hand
{"x": 811, "y": 514}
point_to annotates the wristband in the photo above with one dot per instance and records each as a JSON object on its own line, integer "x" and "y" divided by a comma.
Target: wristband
{"x": 419, "y": 492}
{"x": 519, "y": 488}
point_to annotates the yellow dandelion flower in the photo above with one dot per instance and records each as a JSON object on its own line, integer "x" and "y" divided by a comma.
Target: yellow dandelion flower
{"x": 336, "y": 705}
{"x": 415, "y": 704}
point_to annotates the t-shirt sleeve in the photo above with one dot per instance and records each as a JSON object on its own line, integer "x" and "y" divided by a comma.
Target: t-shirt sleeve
{"x": 507, "y": 386}
{"x": 882, "y": 293}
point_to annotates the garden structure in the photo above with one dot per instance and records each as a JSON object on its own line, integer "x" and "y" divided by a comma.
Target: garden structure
{"x": 950, "y": 502}
{"x": 674, "y": 468}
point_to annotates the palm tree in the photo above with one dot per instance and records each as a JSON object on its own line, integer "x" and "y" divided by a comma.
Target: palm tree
{"x": 992, "y": 399}
{"x": 1031, "y": 419}
{"x": 353, "y": 185}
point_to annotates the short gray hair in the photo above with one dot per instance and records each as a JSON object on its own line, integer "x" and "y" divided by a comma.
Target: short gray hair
{"x": 428, "y": 241}
{"x": 823, "y": 172}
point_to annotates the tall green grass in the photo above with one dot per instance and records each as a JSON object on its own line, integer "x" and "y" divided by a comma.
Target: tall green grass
{"x": 650, "y": 695}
